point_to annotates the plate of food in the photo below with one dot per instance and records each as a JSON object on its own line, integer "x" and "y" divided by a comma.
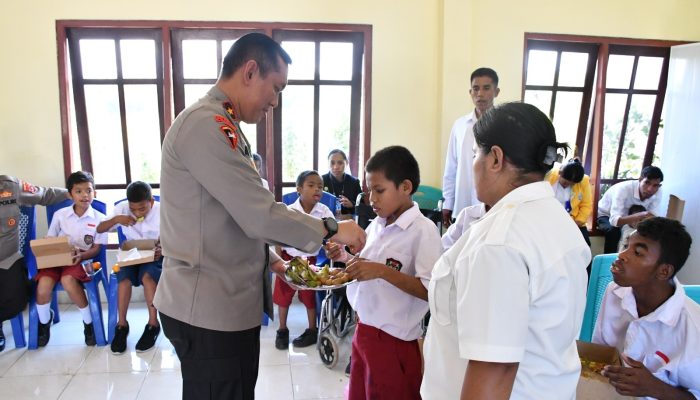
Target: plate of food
{"x": 301, "y": 275}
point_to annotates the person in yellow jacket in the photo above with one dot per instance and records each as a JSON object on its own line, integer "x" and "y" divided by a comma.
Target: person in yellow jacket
{"x": 572, "y": 188}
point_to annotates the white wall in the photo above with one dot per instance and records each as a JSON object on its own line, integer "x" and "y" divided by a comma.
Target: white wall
{"x": 681, "y": 144}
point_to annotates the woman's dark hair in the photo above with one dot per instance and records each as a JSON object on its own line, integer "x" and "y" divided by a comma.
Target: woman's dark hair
{"x": 524, "y": 133}
{"x": 397, "y": 163}
{"x": 572, "y": 171}
{"x": 305, "y": 174}
{"x": 337, "y": 151}
{"x": 672, "y": 237}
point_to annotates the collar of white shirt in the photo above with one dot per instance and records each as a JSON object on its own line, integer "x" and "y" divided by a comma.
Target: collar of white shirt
{"x": 668, "y": 313}
{"x": 405, "y": 219}
{"x": 316, "y": 211}
{"x": 89, "y": 213}
{"x": 523, "y": 194}
{"x": 636, "y": 191}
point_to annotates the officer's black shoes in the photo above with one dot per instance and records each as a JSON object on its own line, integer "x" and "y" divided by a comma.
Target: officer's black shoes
{"x": 118, "y": 345}
{"x": 282, "y": 339}
{"x": 2, "y": 339}
{"x": 89, "y": 331}
{"x": 148, "y": 339}
{"x": 306, "y": 339}
{"x": 45, "y": 332}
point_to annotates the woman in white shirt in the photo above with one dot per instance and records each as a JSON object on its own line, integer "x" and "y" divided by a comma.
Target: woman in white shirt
{"x": 507, "y": 299}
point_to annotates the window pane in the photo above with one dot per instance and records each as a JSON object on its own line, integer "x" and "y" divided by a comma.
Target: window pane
{"x": 541, "y": 99}
{"x": 567, "y": 112}
{"x": 199, "y": 59}
{"x": 334, "y": 122}
{"x": 614, "y": 113}
{"x": 540, "y": 67}
{"x": 138, "y": 58}
{"x": 251, "y": 133}
{"x": 303, "y": 56}
{"x": 638, "y": 123}
{"x": 104, "y": 124}
{"x": 143, "y": 130}
{"x": 195, "y": 92}
{"x": 572, "y": 69}
{"x": 297, "y": 131}
{"x": 336, "y": 61}
{"x": 225, "y": 47}
{"x": 648, "y": 73}
{"x": 619, "y": 71}
{"x": 98, "y": 59}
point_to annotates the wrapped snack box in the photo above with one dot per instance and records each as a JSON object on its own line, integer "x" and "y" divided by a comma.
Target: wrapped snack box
{"x": 52, "y": 252}
{"x": 134, "y": 252}
{"x": 592, "y": 385}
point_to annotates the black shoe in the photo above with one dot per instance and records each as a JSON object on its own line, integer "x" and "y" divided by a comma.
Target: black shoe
{"x": 89, "y": 331}
{"x": 306, "y": 339}
{"x": 45, "y": 332}
{"x": 118, "y": 345}
{"x": 2, "y": 339}
{"x": 148, "y": 338}
{"x": 282, "y": 339}
{"x": 347, "y": 368}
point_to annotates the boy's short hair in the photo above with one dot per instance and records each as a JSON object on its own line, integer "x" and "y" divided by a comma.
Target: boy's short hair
{"x": 636, "y": 208}
{"x": 651, "y": 172}
{"x": 138, "y": 191}
{"x": 487, "y": 72}
{"x": 397, "y": 164}
{"x": 305, "y": 174}
{"x": 79, "y": 177}
{"x": 672, "y": 237}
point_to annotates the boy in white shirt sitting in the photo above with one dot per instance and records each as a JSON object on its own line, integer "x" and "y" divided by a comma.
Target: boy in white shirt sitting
{"x": 646, "y": 315}
{"x": 310, "y": 189}
{"x": 139, "y": 217}
{"x": 79, "y": 223}
{"x": 393, "y": 270}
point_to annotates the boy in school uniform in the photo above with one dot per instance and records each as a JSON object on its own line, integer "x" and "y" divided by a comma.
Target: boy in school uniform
{"x": 647, "y": 316}
{"x": 139, "y": 218}
{"x": 78, "y": 222}
{"x": 393, "y": 270}
{"x": 310, "y": 189}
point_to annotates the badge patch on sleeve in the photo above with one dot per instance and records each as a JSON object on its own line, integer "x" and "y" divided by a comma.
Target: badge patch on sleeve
{"x": 230, "y": 133}
{"x": 395, "y": 264}
{"x": 29, "y": 188}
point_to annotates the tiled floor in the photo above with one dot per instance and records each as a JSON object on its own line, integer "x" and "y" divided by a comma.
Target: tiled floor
{"x": 67, "y": 369}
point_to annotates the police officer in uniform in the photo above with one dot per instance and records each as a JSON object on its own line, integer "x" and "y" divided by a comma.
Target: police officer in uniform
{"x": 13, "y": 271}
{"x": 217, "y": 221}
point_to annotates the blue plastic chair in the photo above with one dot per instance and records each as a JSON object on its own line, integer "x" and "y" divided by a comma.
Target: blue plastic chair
{"x": 693, "y": 291}
{"x": 600, "y": 278}
{"x": 429, "y": 201}
{"x": 112, "y": 294}
{"x": 91, "y": 288}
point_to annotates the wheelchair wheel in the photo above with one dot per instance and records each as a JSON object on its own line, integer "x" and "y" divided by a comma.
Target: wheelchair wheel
{"x": 328, "y": 351}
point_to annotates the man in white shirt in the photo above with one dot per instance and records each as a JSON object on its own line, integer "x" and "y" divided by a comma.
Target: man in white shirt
{"x": 646, "y": 315}
{"x": 457, "y": 181}
{"x": 612, "y": 208}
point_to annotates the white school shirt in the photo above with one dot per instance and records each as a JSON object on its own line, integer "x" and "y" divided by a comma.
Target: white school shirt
{"x": 673, "y": 330}
{"x": 512, "y": 289}
{"x": 411, "y": 245}
{"x": 561, "y": 193}
{"x": 617, "y": 201}
{"x": 458, "y": 180}
{"x": 149, "y": 228}
{"x": 81, "y": 231}
{"x": 320, "y": 210}
{"x": 465, "y": 218}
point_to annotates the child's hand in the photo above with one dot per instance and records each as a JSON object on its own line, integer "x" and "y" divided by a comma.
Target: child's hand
{"x": 77, "y": 257}
{"x": 278, "y": 267}
{"x": 363, "y": 270}
{"x": 345, "y": 202}
{"x": 635, "y": 380}
{"x": 158, "y": 251}
{"x": 125, "y": 220}
{"x": 335, "y": 252}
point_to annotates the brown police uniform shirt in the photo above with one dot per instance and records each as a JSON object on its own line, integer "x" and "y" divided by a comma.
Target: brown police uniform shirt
{"x": 216, "y": 221}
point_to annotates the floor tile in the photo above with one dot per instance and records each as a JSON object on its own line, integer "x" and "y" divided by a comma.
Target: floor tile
{"x": 102, "y": 360}
{"x": 315, "y": 381}
{"x": 161, "y": 385}
{"x": 29, "y": 387}
{"x": 50, "y": 360}
{"x": 270, "y": 355}
{"x": 111, "y": 386}
{"x": 9, "y": 357}
{"x": 165, "y": 357}
{"x": 274, "y": 383}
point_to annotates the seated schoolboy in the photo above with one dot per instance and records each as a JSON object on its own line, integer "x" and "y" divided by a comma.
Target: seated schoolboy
{"x": 393, "y": 270}
{"x": 647, "y": 316}
{"x": 139, "y": 218}
{"x": 629, "y": 227}
{"x": 79, "y": 223}
{"x": 310, "y": 189}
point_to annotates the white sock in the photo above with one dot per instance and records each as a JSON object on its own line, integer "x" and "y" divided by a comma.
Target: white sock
{"x": 44, "y": 311}
{"x": 85, "y": 312}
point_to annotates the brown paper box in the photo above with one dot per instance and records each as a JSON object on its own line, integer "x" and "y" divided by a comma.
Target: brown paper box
{"x": 591, "y": 385}
{"x": 52, "y": 252}
{"x": 145, "y": 248}
{"x": 675, "y": 208}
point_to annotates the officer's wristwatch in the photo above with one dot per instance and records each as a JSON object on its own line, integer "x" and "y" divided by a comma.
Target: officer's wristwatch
{"x": 331, "y": 226}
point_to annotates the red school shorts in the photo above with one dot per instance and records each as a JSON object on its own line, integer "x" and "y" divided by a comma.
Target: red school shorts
{"x": 283, "y": 293}
{"x": 56, "y": 273}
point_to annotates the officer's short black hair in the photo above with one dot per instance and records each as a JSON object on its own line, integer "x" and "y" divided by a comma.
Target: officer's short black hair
{"x": 305, "y": 174}
{"x": 79, "y": 177}
{"x": 672, "y": 237}
{"x": 254, "y": 46}
{"x": 487, "y": 72}
{"x": 651, "y": 172}
{"x": 397, "y": 163}
{"x": 138, "y": 191}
